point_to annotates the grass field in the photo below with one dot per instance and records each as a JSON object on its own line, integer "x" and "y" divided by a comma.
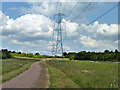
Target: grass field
{"x": 13, "y": 67}
{"x": 82, "y": 74}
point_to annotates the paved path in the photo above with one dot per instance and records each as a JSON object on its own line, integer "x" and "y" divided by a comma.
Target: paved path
{"x": 36, "y": 77}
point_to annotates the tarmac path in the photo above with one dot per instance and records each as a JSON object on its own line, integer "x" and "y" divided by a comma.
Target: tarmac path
{"x": 35, "y": 77}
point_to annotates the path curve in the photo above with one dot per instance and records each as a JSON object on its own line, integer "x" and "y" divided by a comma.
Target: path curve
{"x": 35, "y": 77}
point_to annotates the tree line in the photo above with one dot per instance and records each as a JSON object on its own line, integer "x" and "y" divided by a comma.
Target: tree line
{"x": 83, "y": 55}
{"x": 4, "y": 54}
{"x": 94, "y": 56}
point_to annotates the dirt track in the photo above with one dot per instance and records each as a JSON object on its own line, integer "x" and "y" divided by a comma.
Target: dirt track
{"x": 36, "y": 77}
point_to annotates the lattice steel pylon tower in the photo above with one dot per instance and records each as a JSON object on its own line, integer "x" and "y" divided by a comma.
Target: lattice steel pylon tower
{"x": 59, "y": 27}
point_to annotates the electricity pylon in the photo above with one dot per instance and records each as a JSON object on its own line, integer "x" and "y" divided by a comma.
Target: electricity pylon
{"x": 57, "y": 47}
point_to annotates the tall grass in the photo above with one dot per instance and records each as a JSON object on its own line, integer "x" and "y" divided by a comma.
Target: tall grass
{"x": 88, "y": 74}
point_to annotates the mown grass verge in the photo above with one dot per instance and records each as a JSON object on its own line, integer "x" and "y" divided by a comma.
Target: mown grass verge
{"x": 84, "y": 74}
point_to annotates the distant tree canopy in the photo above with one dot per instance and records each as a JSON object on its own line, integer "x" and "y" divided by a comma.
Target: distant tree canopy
{"x": 31, "y": 55}
{"x": 37, "y": 54}
{"x": 83, "y": 55}
{"x": 94, "y": 56}
{"x": 4, "y": 54}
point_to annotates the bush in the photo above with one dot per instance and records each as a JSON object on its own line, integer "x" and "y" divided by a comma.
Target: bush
{"x": 4, "y": 56}
{"x": 37, "y": 54}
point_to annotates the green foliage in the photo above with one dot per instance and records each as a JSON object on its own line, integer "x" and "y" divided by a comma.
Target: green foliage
{"x": 30, "y": 55}
{"x": 37, "y": 54}
{"x": 71, "y": 57}
{"x": 94, "y": 56}
{"x": 4, "y": 54}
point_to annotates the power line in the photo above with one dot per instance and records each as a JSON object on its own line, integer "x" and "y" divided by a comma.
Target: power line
{"x": 82, "y": 11}
{"x": 57, "y": 6}
{"x": 101, "y": 15}
{"x": 73, "y": 8}
{"x": 64, "y": 7}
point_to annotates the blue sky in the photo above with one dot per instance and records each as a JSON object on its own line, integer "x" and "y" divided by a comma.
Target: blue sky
{"x": 12, "y": 9}
{"x": 29, "y": 27}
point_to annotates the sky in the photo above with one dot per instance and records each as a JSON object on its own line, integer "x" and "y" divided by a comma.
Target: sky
{"x": 28, "y": 26}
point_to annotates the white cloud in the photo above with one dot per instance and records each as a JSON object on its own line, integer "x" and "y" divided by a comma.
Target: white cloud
{"x": 23, "y": 43}
{"x": 71, "y": 28}
{"x": 100, "y": 31}
{"x": 32, "y": 32}
{"x": 50, "y": 8}
{"x": 34, "y": 27}
{"x": 98, "y": 36}
{"x": 88, "y": 42}
{"x": 16, "y": 42}
{"x": 3, "y": 18}
{"x": 45, "y": 8}
{"x": 29, "y": 25}
{"x": 99, "y": 45}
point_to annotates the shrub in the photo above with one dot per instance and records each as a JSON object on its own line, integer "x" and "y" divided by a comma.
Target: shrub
{"x": 4, "y": 56}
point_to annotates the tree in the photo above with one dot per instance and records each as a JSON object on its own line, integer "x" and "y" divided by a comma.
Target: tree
{"x": 116, "y": 51}
{"x": 94, "y": 58}
{"x": 64, "y": 54}
{"x": 5, "y": 54}
{"x": 19, "y": 52}
{"x": 13, "y": 52}
{"x": 71, "y": 57}
{"x": 30, "y": 55}
{"x": 37, "y": 54}
{"x": 106, "y": 51}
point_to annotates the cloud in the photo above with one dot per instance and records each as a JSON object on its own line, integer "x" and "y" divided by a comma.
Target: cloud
{"x": 70, "y": 9}
{"x": 99, "y": 45}
{"x": 34, "y": 27}
{"x": 16, "y": 42}
{"x": 31, "y": 26}
{"x": 44, "y": 8}
{"x": 71, "y": 28}
{"x": 88, "y": 42}
{"x": 23, "y": 43}
{"x": 32, "y": 32}
{"x": 100, "y": 31}
{"x": 98, "y": 36}
{"x": 3, "y": 18}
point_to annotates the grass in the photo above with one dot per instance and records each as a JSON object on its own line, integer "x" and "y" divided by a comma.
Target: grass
{"x": 60, "y": 58}
{"x": 57, "y": 78}
{"x": 14, "y": 67}
{"x": 82, "y": 74}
